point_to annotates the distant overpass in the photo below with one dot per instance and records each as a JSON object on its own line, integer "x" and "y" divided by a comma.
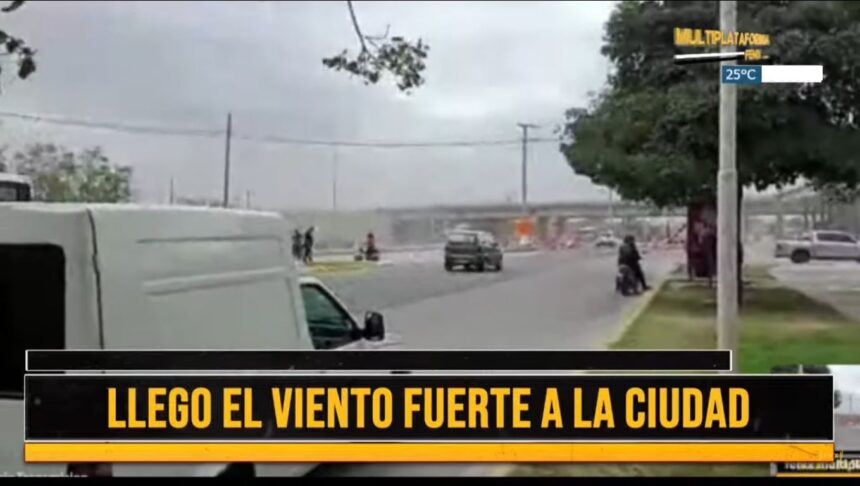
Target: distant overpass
{"x": 794, "y": 203}
{"x": 423, "y": 224}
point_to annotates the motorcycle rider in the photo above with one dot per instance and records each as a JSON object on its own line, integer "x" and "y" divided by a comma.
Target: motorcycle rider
{"x": 629, "y": 255}
{"x": 370, "y": 244}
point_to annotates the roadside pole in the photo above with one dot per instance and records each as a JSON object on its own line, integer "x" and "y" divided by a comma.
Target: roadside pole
{"x": 226, "y": 200}
{"x": 727, "y": 203}
{"x": 524, "y": 168}
{"x": 334, "y": 168}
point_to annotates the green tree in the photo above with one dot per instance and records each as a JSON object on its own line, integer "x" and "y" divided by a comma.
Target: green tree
{"x": 61, "y": 175}
{"x": 652, "y": 134}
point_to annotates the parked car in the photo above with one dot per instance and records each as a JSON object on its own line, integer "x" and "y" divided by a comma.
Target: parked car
{"x": 98, "y": 276}
{"x": 473, "y": 250}
{"x": 819, "y": 245}
{"x": 607, "y": 241}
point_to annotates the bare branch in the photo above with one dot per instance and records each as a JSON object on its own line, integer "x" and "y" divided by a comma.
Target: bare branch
{"x": 379, "y": 37}
{"x": 355, "y": 25}
{"x": 13, "y": 6}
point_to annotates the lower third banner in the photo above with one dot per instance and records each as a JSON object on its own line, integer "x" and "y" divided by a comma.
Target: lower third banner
{"x": 425, "y": 418}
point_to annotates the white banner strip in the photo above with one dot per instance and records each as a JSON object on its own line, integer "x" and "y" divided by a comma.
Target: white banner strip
{"x": 792, "y": 74}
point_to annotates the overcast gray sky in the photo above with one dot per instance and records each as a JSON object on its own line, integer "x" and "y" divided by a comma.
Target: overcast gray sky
{"x": 186, "y": 64}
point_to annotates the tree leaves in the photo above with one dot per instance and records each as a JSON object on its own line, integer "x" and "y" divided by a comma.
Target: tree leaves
{"x": 399, "y": 58}
{"x": 60, "y": 175}
{"x": 23, "y": 55}
{"x": 379, "y": 55}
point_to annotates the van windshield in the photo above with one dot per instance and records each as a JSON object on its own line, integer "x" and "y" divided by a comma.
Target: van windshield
{"x": 32, "y": 308}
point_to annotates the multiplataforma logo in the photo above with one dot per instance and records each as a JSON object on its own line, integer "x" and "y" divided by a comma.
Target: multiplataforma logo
{"x": 752, "y": 41}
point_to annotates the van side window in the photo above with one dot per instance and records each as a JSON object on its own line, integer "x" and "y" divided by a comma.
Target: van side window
{"x": 330, "y": 326}
{"x": 32, "y": 308}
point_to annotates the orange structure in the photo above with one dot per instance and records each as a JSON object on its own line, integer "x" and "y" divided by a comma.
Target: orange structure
{"x": 524, "y": 227}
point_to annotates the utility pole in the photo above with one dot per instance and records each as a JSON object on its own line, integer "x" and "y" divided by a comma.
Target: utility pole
{"x": 611, "y": 208}
{"x": 226, "y": 200}
{"x": 727, "y": 205}
{"x": 524, "y": 177}
{"x": 248, "y": 198}
{"x": 780, "y": 219}
{"x": 171, "y": 191}
{"x": 334, "y": 181}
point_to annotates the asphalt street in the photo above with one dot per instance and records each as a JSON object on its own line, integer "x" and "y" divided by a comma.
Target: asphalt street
{"x": 549, "y": 300}
{"x": 848, "y": 439}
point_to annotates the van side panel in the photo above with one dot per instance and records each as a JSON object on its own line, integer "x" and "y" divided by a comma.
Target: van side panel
{"x": 196, "y": 280}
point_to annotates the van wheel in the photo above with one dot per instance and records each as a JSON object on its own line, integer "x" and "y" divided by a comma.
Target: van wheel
{"x": 449, "y": 267}
{"x": 800, "y": 256}
{"x": 498, "y": 266}
{"x": 479, "y": 266}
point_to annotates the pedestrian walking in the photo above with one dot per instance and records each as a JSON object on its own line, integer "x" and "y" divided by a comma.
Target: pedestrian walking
{"x": 309, "y": 245}
{"x": 298, "y": 245}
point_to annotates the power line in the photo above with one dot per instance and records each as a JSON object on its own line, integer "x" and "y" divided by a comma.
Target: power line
{"x": 150, "y": 130}
{"x": 267, "y": 139}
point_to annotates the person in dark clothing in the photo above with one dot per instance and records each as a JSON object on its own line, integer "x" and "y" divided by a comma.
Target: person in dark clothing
{"x": 629, "y": 255}
{"x": 309, "y": 245}
{"x": 370, "y": 250}
{"x": 298, "y": 245}
{"x": 709, "y": 241}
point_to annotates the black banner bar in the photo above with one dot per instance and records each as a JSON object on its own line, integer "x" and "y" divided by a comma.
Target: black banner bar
{"x": 100, "y": 360}
{"x": 776, "y": 408}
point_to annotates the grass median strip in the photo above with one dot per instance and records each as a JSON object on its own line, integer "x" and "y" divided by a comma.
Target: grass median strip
{"x": 338, "y": 267}
{"x": 778, "y": 326}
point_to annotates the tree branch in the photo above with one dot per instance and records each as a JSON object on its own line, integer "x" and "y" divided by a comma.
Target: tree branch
{"x": 357, "y": 28}
{"x": 13, "y": 6}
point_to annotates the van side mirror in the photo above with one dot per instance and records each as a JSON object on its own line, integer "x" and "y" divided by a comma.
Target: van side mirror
{"x": 374, "y": 326}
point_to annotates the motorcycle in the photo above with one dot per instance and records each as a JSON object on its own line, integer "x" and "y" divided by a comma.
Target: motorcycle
{"x": 367, "y": 254}
{"x": 625, "y": 281}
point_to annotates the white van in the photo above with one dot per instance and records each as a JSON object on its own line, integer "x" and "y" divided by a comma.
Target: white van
{"x": 90, "y": 276}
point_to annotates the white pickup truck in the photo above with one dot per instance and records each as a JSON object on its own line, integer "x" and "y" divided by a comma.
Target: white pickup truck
{"x": 819, "y": 245}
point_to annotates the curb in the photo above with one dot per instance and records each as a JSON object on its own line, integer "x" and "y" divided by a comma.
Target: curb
{"x": 639, "y": 308}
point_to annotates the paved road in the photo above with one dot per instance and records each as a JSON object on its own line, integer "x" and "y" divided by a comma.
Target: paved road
{"x": 544, "y": 300}
{"x": 848, "y": 439}
{"x": 539, "y": 301}
{"x": 834, "y": 283}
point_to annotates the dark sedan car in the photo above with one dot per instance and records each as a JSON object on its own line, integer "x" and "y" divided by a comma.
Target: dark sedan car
{"x": 472, "y": 250}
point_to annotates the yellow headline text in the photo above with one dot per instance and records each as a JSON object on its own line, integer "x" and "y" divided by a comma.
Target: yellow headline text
{"x": 428, "y": 408}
